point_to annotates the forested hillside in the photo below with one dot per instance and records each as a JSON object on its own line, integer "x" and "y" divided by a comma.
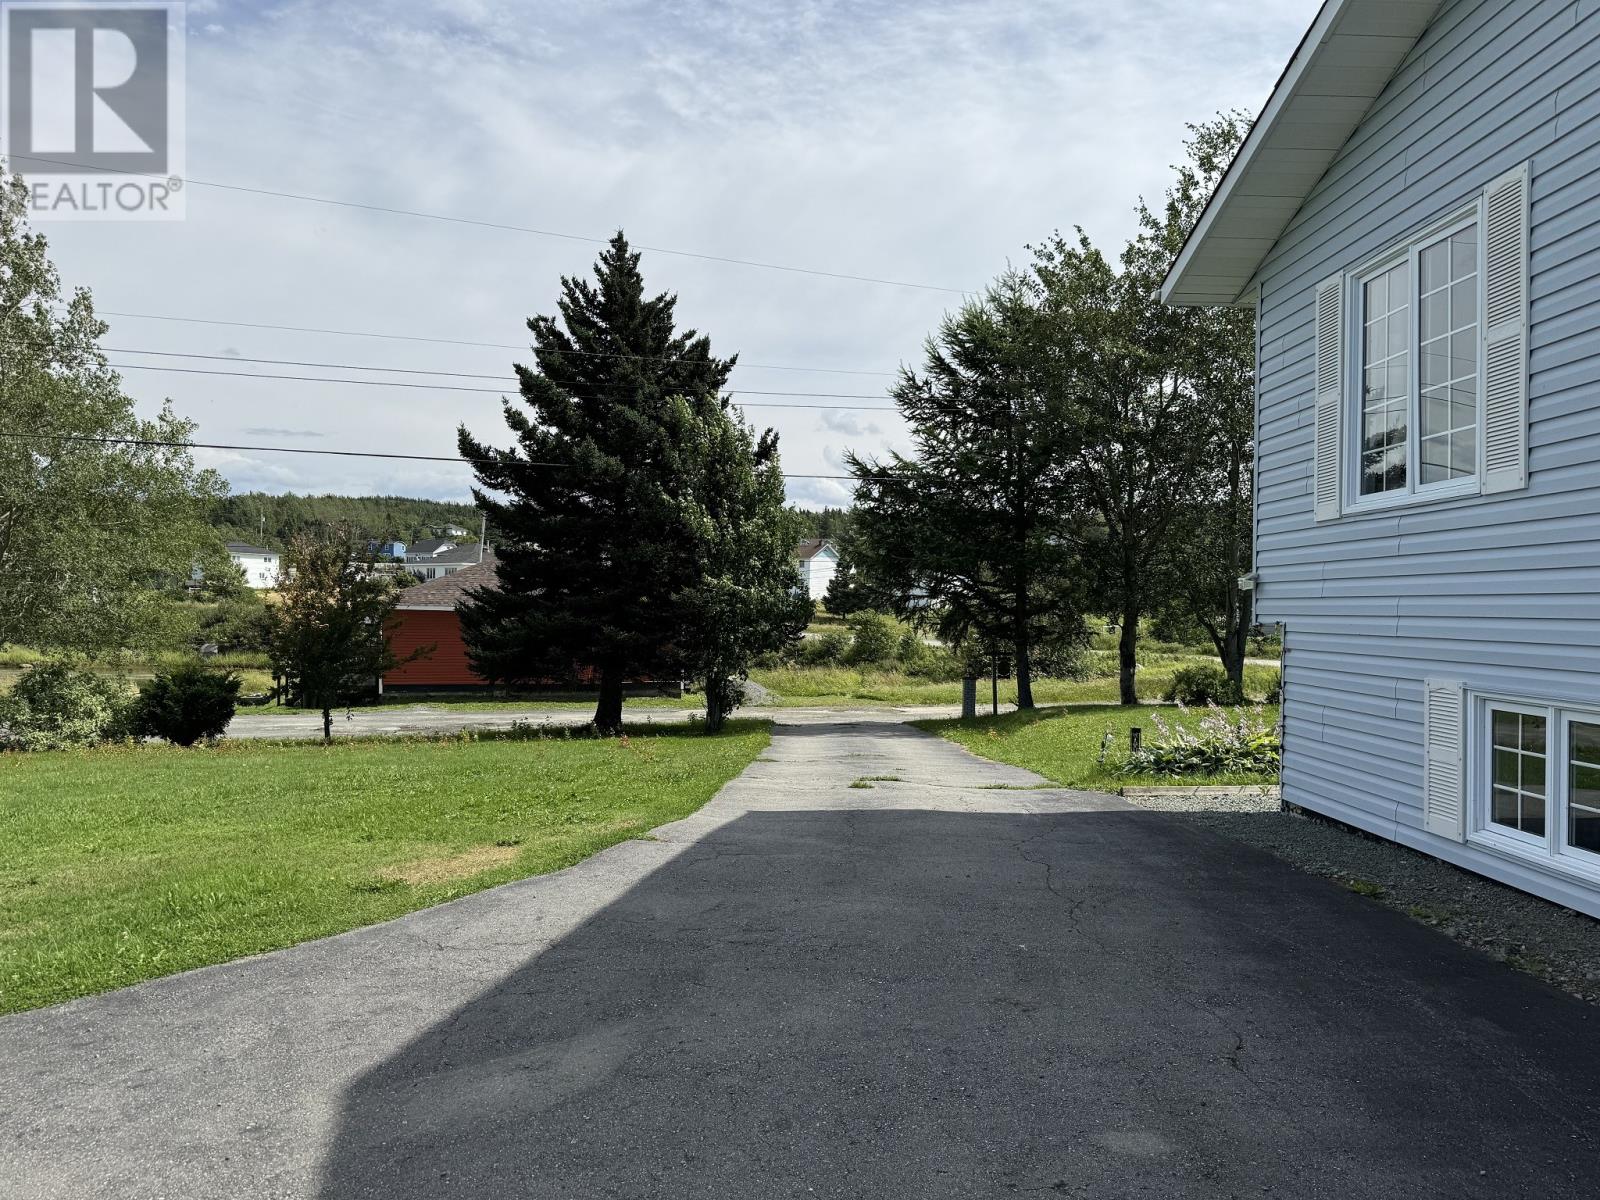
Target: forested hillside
{"x": 244, "y": 517}
{"x": 825, "y": 523}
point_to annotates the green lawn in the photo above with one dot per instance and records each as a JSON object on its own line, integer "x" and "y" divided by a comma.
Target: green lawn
{"x": 820, "y": 687}
{"x": 1063, "y": 744}
{"x": 122, "y": 864}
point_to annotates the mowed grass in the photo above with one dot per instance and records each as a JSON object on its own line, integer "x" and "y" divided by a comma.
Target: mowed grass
{"x": 122, "y": 864}
{"x": 1063, "y": 744}
{"x": 821, "y": 687}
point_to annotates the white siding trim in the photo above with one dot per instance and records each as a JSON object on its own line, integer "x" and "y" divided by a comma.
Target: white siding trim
{"x": 1330, "y": 395}
{"x": 1443, "y": 738}
{"x": 1505, "y": 333}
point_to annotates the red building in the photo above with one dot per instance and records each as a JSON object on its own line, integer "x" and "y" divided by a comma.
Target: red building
{"x": 426, "y": 616}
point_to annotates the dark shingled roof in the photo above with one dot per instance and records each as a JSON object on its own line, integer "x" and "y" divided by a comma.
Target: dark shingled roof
{"x": 811, "y": 547}
{"x": 448, "y": 591}
{"x": 429, "y": 546}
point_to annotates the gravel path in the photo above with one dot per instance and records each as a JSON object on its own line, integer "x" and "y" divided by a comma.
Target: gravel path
{"x": 422, "y": 719}
{"x": 1554, "y": 943}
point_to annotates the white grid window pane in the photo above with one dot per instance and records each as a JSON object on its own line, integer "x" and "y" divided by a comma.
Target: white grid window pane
{"x": 1385, "y": 398}
{"x": 1517, "y": 771}
{"x": 1583, "y": 787}
{"x": 1447, "y": 330}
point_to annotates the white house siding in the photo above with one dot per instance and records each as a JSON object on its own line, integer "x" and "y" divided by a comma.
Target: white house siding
{"x": 818, "y": 571}
{"x": 260, "y": 571}
{"x": 1501, "y": 592}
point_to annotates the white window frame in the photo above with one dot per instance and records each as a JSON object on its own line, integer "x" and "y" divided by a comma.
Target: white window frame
{"x": 1550, "y": 852}
{"x": 1410, "y": 253}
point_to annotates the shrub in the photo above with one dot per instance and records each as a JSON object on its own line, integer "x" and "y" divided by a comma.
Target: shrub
{"x": 1275, "y": 688}
{"x": 187, "y": 704}
{"x": 1203, "y": 684}
{"x": 55, "y": 706}
{"x": 874, "y": 639}
{"x": 826, "y": 650}
{"x": 237, "y": 625}
{"x": 911, "y": 650}
{"x": 1245, "y": 742}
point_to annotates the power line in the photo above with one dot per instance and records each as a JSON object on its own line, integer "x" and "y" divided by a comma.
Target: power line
{"x": 512, "y": 379}
{"x": 446, "y": 387}
{"x": 550, "y": 233}
{"x": 155, "y": 442}
{"x": 523, "y": 346}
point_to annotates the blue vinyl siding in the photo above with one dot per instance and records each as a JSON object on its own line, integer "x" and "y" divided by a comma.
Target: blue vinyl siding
{"x": 1500, "y": 592}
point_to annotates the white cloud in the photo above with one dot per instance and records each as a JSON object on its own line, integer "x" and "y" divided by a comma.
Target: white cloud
{"x": 927, "y": 142}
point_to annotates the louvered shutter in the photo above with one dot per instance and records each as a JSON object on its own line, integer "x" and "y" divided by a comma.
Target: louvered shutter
{"x": 1330, "y": 394}
{"x": 1505, "y": 333}
{"x": 1443, "y": 769}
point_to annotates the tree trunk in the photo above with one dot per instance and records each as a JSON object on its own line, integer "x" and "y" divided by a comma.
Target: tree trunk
{"x": 608, "y": 711}
{"x": 1024, "y": 670}
{"x": 716, "y": 714}
{"x": 1236, "y": 640}
{"x": 1127, "y": 651}
{"x": 327, "y": 724}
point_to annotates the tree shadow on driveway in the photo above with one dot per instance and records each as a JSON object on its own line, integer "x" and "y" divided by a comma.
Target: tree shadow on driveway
{"x": 912, "y": 1003}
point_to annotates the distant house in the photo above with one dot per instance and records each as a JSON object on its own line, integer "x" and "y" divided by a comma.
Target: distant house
{"x": 1414, "y": 219}
{"x": 445, "y": 562}
{"x": 388, "y": 549}
{"x": 260, "y": 565}
{"x": 454, "y": 531}
{"x": 817, "y": 559}
{"x": 428, "y": 548}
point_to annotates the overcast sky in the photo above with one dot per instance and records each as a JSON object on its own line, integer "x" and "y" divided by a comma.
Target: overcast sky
{"x": 925, "y": 141}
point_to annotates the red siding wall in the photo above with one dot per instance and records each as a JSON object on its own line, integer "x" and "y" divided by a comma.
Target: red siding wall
{"x": 447, "y": 665}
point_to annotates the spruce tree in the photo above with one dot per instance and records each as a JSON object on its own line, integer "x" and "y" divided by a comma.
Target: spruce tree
{"x": 587, "y": 503}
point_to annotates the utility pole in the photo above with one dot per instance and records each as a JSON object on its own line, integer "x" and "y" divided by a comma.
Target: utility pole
{"x": 483, "y": 532}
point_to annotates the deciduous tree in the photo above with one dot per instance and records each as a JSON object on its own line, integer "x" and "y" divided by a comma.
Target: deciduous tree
{"x": 745, "y": 599}
{"x": 328, "y": 646}
{"x": 1152, "y": 428}
{"x": 100, "y": 510}
{"x": 976, "y": 532}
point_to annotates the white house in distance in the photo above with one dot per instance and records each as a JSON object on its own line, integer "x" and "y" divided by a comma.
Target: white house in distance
{"x": 260, "y": 565}
{"x": 1415, "y": 220}
{"x": 817, "y": 559}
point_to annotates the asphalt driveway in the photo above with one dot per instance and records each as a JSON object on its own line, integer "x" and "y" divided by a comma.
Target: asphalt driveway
{"x": 943, "y": 985}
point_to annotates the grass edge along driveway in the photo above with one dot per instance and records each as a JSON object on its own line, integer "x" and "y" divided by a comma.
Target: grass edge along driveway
{"x": 1064, "y": 744}
{"x": 123, "y": 864}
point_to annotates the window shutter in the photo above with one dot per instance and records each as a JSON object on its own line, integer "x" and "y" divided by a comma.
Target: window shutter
{"x": 1505, "y": 333}
{"x": 1443, "y": 784}
{"x": 1330, "y": 394}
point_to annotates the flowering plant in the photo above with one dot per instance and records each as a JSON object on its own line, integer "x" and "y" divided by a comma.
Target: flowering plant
{"x": 1222, "y": 743}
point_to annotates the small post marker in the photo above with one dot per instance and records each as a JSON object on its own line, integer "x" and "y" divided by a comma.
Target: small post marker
{"x": 1135, "y": 739}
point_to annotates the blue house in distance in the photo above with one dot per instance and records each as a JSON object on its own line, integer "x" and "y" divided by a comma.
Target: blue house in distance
{"x": 1416, "y": 219}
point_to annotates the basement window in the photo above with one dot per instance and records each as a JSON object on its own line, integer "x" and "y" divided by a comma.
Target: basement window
{"x": 1534, "y": 782}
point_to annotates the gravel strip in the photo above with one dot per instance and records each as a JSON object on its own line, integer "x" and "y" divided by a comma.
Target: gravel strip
{"x": 1553, "y": 943}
